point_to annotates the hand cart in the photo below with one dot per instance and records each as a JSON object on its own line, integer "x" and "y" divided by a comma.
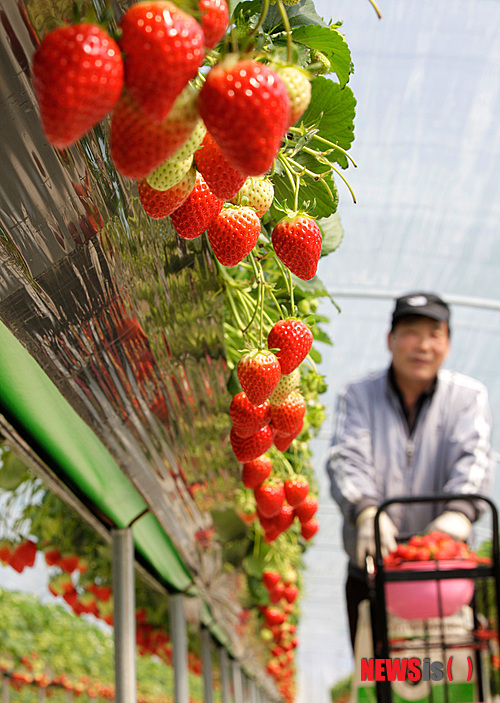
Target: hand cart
{"x": 484, "y": 637}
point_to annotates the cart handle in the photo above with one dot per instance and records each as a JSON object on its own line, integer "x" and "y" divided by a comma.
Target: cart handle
{"x": 442, "y": 498}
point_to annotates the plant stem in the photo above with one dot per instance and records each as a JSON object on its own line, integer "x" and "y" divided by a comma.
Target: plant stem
{"x": 263, "y": 15}
{"x": 292, "y": 302}
{"x": 286, "y": 24}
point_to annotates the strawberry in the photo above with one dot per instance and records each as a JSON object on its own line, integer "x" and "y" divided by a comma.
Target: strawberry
{"x": 289, "y": 416}
{"x": 233, "y": 234}
{"x": 283, "y": 441}
{"x": 68, "y": 563}
{"x": 223, "y": 180}
{"x": 299, "y": 90}
{"x": 160, "y": 203}
{"x": 274, "y": 616}
{"x": 52, "y": 556}
{"x": 5, "y": 551}
{"x": 257, "y": 193}
{"x": 247, "y": 418}
{"x": 255, "y": 472}
{"x": 308, "y": 529}
{"x": 23, "y": 555}
{"x": 163, "y": 47}
{"x": 249, "y": 448}
{"x": 305, "y": 510}
{"x": 78, "y": 77}
{"x": 169, "y": 173}
{"x": 284, "y": 519}
{"x": 246, "y": 109}
{"x": 201, "y": 207}
{"x": 214, "y": 20}
{"x": 297, "y": 241}
{"x": 269, "y": 497}
{"x": 291, "y": 593}
{"x": 258, "y": 373}
{"x": 296, "y": 489}
{"x": 192, "y": 144}
{"x": 293, "y": 339}
{"x": 138, "y": 146}
{"x": 277, "y": 593}
{"x": 270, "y": 579}
{"x": 286, "y": 384}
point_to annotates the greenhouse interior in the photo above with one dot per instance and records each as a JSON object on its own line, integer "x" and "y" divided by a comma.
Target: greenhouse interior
{"x": 137, "y": 562}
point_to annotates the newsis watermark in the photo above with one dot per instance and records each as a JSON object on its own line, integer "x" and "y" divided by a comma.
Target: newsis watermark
{"x": 409, "y": 669}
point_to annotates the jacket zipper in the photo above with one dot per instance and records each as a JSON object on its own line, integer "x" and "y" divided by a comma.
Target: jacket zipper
{"x": 410, "y": 450}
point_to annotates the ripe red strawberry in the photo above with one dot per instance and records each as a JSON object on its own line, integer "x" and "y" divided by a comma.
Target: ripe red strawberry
{"x": 233, "y": 234}
{"x": 291, "y": 593}
{"x": 214, "y": 20}
{"x": 249, "y": 448}
{"x": 296, "y": 489}
{"x": 257, "y": 192}
{"x": 284, "y": 519}
{"x": 161, "y": 203}
{"x": 138, "y": 146}
{"x": 5, "y": 551}
{"x": 270, "y": 579}
{"x": 247, "y": 418}
{"x": 23, "y": 555}
{"x": 294, "y": 339}
{"x": 283, "y": 441}
{"x": 255, "y": 472}
{"x": 269, "y": 497}
{"x": 258, "y": 373}
{"x": 223, "y": 180}
{"x": 299, "y": 90}
{"x": 307, "y": 509}
{"x": 308, "y": 529}
{"x": 277, "y": 593}
{"x": 78, "y": 77}
{"x": 297, "y": 242}
{"x": 52, "y": 556}
{"x": 163, "y": 47}
{"x": 201, "y": 207}
{"x": 274, "y": 616}
{"x": 289, "y": 416}
{"x": 246, "y": 109}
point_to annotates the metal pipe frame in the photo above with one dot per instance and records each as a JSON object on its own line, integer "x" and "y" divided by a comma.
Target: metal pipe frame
{"x": 178, "y": 633}
{"x": 224, "y": 675}
{"x": 237, "y": 682}
{"x": 124, "y": 615}
{"x": 206, "y": 657}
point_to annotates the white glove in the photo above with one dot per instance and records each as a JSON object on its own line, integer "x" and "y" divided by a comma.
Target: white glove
{"x": 365, "y": 525}
{"x": 455, "y": 524}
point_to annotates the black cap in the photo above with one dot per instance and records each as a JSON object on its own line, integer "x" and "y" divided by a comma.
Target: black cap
{"x": 422, "y": 304}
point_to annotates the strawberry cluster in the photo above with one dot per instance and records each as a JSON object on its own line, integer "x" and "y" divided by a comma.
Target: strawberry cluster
{"x": 176, "y": 132}
{"x": 278, "y": 632}
{"x": 433, "y": 546}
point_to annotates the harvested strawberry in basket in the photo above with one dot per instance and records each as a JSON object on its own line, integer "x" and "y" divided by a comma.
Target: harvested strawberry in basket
{"x": 431, "y": 547}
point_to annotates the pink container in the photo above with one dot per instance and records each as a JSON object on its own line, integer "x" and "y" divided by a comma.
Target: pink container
{"x": 418, "y": 600}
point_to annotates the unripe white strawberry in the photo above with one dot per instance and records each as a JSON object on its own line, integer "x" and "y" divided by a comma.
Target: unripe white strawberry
{"x": 256, "y": 192}
{"x": 299, "y": 90}
{"x": 169, "y": 173}
{"x": 192, "y": 143}
{"x": 286, "y": 384}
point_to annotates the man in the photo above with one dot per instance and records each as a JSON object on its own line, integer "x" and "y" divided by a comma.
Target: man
{"x": 413, "y": 429}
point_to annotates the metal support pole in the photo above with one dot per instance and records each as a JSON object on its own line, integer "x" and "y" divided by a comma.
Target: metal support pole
{"x": 206, "y": 656}
{"x": 180, "y": 648}
{"x": 253, "y": 691}
{"x": 224, "y": 674}
{"x": 5, "y": 690}
{"x": 124, "y": 615}
{"x": 237, "y": 683}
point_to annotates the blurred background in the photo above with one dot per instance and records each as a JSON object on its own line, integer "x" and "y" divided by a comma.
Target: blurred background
{"x": 427, "y": 217}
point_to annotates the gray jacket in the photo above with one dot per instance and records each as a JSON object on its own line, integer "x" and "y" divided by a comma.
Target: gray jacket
{"x": 373, "y": 457}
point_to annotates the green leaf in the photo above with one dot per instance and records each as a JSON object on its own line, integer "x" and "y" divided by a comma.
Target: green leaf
{"x": 315, "y": 285}
{"x": 13, "y": 472}
{"x": 254, "y": 565}
{"x": 332, "y": 108}
{"x": 332, "y": 232}
{"x": 331, "y": 43}
{"x": 302, "y": 13}
{"x": 315, "y": 355}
